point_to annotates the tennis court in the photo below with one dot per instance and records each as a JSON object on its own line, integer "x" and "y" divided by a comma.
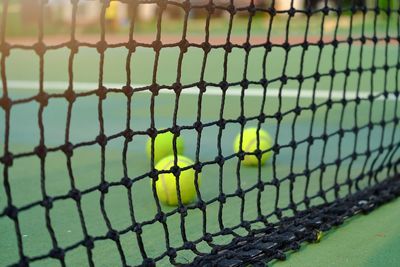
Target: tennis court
{"x": 325, "y": 106}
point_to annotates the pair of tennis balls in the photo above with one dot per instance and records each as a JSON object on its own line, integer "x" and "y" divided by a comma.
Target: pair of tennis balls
{"x": 166, "y": 186}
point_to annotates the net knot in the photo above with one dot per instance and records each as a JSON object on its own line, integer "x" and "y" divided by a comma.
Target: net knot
{"x": 228, "y": 47}
{"x": 231, "y": 9}
{"x": 306, "y": 201}
{"x": 198, "y": 167}
{"x": 70, "y": 95}
{"x": 101, "y": 139}
{"x": 162, "y": 5}
{"x": 241, "y": 120}
{"x": 220, "y": 160}
{"x": 241, "y": 154}
{"x": 5, "y": 103}
{"x": 12, "y": 212}
{"x": 221, "y": 123}
{"x": 175, "y": 170}
{"x": 149, "y": 262}
{"x": 131, "y": 46}
{"x": 258, "y": 153}
{"x": 24, "y": 262}
{"x": 161, "y": 217}
{"x": 73, "y": 45}
{"x": 189, "y": 245}
{"x": 261, "y": 117}
{"x": 247, "y": 47}
{"x": 152, "y": 132}
{"x": 128, "y": 134}
{"x": 68, "y": 149}
{"x": 291, "y": 12}
{"x": 125, "y": 181}
{"x": 260, "y": 186}
{"x": 325, "y": 10}
{"x": 275, "y": 182}
{"x": 286, "y": 46}
{"x": 226, "y": 231}
{"x": 154, "y": 174}
{"x": 313, "y": 107}
{"x": 57, "y": 253}
{"x": 329, "y": 103}
{"x": 47, "y": 202}
{"x": 182, "y": 210}
{"x": 283, "y": 79}
{"x": 210, "y": 7}
{"x": 154, "y": 89}
{"x": 244, "y": 83}
{"x": 198, "y": 125}
{"x": 128, "y": 90}
{"x": 42, "y": 98}
{"x": 171, "y": 252}
{"x": 103, "y": 187}
{"x": 222, "y": 198}
{"x": 177, "y": 87}
{"x": 186, "y": 6}
{"x": 101, "y": 92}
{"x": 183, "y": 45}
{"x": 208, "y": 237}
{"x": 206, "y": 47}
{"x": 157, "y": 45}
{"x": 88, "y": 242}
{"x": 264, "y": 82}
{"x": 293, "y": 144}
{"x": 137, "y": 228}
{"x": 113, "y": 235}
{"x": 101, "y": 46}
{"x": 176, "y": 130}
{"x": 202, "y": 86}
{"x": 272, "y": 11}
{"x": 240, "y": 193}
{"x": 75, "y": 194}
{"x": 41, "y": 151}
{"x": 297, "y": 110}
{"x": 40, "y": 48}
{"x": 293, "y": 206}
{"x": 323, "y": 167}
{"x": 201, "y": 205}
{"x": 7, "y": 159}
{"x": 278, "y": 116}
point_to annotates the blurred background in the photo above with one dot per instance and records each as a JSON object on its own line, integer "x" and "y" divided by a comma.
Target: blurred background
{"x": 23, "y": 16}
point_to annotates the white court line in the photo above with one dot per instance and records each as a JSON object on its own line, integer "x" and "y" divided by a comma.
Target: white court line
{"x": 213, "y": 91}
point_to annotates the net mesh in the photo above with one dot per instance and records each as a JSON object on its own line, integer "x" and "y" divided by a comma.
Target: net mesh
{"x": 360, "y": 174}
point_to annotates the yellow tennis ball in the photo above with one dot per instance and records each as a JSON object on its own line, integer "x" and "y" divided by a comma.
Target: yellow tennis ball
{"x": 166, "y": 183}
{"x": 163, "y": 146}
{"x": 249, "y": 144}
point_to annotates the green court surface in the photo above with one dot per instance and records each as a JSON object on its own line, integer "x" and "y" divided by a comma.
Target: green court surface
{"x": 369, "y": 241}
{"x": 22, "y": 69}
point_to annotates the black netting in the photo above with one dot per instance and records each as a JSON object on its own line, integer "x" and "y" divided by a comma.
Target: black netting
{"x": 354, "y": 46}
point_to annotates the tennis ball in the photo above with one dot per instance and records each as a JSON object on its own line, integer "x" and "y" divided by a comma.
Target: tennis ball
{"x": 249, "y": 144}
{"x": 163, "y": 146}
{"x": 166, "y": 183}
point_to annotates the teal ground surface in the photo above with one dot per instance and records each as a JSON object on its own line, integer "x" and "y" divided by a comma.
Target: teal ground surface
{"x": 24, "y": 137}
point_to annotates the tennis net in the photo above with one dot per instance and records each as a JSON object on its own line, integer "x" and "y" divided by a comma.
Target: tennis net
{"x": 322, "y": 77}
